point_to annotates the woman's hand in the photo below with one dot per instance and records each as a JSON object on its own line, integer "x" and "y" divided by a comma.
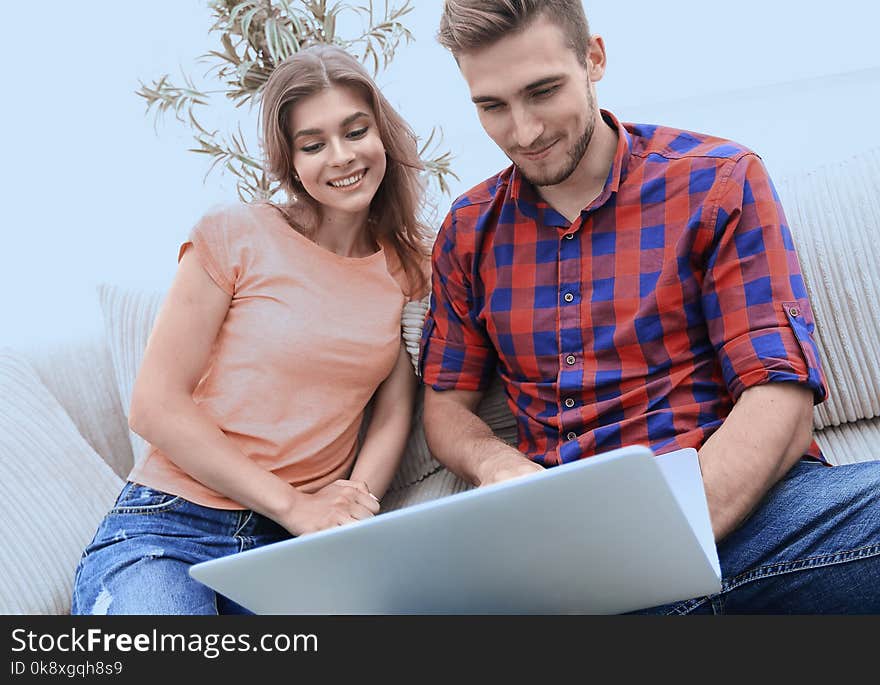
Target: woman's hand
{"x": 340, "y": 502}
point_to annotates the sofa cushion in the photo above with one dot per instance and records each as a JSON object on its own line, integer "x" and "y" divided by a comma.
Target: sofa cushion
{"x": 79, "y": 374}
{"x": 834, "y": 213}
{"x": 440, "y": 483}
{"x": 411, "y": 322}
{"x": 128, "y": 319}
{"x": 55, "y": 490}
{"x": 851, "y": 442}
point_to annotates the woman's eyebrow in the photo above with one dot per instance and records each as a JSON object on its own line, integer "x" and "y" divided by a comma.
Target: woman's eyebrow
{"x": 317, "y": 131}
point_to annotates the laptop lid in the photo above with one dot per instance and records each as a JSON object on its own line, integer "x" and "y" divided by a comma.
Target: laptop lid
{"x": 601, "y": 535}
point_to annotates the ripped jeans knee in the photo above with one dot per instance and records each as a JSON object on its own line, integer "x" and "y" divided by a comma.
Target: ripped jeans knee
{"x": 139, "y": 559}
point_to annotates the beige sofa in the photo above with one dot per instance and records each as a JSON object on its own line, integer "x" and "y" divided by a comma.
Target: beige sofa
{"x": 65, "y": 446}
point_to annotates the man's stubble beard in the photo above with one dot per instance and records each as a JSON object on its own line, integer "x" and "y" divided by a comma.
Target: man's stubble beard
{"x": 575, "y": 154}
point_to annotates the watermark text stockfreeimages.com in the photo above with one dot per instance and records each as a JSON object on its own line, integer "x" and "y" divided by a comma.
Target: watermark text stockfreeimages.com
{"x": 210, "y": 645}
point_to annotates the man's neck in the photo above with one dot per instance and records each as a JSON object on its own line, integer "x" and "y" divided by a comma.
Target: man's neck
{"x": 587, "y": 181}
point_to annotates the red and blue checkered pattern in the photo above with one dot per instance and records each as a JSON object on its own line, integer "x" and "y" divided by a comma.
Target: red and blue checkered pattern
{"x": 639, "y": 323}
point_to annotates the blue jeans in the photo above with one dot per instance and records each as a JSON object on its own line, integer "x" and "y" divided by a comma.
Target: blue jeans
{"x": 139, "y": 559}
{"x": 812, "y": 546}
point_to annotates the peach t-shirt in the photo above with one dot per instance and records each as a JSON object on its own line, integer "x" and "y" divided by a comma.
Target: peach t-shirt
{"x": 308, "y": 338}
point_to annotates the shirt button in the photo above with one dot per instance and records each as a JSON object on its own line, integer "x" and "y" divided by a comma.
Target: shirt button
{"x": 569, "y": 402}
{"x": 794, "y": 311}
{"x": 569, "y": 297}
{"x": 570, "y": 360}
{"x": 569, "y": 236}
{"x": 571, "y": 436}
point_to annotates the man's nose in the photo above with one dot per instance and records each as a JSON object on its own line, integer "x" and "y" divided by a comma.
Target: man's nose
{"x": 527, "y": 128}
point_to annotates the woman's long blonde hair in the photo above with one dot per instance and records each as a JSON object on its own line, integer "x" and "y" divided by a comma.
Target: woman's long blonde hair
{"x": 394, "y": 212}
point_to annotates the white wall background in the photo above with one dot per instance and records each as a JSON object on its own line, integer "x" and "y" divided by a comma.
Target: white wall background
{"x": 90, "y": 193}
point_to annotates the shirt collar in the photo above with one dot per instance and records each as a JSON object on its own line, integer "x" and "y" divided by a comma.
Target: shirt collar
{"x": 532, "y": 205}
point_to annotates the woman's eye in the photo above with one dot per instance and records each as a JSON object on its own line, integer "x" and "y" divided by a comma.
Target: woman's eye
{"x": 357, "y": 133}
{"x": 311, "y": 148}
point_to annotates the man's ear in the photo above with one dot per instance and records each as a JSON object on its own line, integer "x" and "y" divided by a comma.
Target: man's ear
{"x": 596, "y": 58}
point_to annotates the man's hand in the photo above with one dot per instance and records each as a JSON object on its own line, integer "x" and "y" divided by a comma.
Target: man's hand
{"x": 506, "y": 465}
{"x": 340, "y": 502}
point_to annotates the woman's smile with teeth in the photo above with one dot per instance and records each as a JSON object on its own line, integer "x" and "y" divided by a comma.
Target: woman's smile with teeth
{"x": 348, "y": 180}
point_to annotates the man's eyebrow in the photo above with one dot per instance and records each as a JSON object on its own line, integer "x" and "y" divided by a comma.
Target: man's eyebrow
{"x": 531, "y": 86}
{"x": 317, "y": 131}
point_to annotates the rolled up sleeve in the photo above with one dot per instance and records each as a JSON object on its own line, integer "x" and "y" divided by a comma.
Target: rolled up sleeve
{"x": 754, "y": 298}
{"x": 456, "y": 353}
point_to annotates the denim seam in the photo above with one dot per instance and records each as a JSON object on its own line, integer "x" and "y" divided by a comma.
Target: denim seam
{"x": 150, "y": 508}
{"x": 242, "y": 524}
{"x": 686, "y": 607}
{"x": 242, "y": 539}
{"x": 779, "y": 569}
{"x": 800, "y": 565}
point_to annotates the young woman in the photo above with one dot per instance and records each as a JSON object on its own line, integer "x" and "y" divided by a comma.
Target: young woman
{"x": 282, "y": 322}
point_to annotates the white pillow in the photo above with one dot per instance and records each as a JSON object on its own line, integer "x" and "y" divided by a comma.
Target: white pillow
{"x": 54, "y": 491}
{"x": 834, "y": 213}
{"x": 79, "y": 374}
{"x": 128, "y": 320}
{"x": 411, "y": 322}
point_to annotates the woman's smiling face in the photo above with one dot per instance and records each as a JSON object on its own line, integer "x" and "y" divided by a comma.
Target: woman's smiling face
{"x": 337, "y": 152}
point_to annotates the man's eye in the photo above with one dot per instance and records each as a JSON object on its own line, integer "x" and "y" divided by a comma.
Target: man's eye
{"x": 492, "y": 107}
{"x": 545, "y": 92}
{"x": 357, "y": 133}
{"x": 312, "y": 148}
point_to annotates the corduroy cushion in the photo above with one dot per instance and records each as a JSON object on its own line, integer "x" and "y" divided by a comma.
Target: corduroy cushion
{"x": 79, "y": 374}
{"x": 849, "y": 443}
{"x": 54, "y": 491}
{"x": 128, "y": 319}
{"x": 834, "y": 213}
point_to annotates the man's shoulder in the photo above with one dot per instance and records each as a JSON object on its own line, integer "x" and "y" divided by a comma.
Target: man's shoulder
{"x": 674, "y": 143}
{"x": 487, "y": 192}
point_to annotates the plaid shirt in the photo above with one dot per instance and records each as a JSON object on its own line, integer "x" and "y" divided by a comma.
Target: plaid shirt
{"x": 642, "y": 321}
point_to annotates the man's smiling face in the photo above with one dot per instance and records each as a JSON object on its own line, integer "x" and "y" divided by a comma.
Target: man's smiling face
{"x": 535, "y": 100}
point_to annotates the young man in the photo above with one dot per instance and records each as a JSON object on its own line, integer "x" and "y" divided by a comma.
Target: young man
{"x": 637, "y": 285}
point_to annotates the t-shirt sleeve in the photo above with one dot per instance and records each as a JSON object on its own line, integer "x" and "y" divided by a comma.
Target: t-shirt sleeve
{"x": 754, "y": 297}
{"x": 214, "y": 239}
{"x": 419, "y": 294}
{"x": 409, "y": 286}
{"x": 456, "y": 353}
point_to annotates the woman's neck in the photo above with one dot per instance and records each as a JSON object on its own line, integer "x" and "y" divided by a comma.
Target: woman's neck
{"x": 346, "y": 235}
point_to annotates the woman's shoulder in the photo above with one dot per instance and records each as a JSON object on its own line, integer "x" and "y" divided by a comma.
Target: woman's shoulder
{"x": 234, "y": 220}
{"x": 238, "y": 214}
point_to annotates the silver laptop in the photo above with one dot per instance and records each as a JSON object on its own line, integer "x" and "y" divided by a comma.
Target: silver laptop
{"x": 613, "y": 533}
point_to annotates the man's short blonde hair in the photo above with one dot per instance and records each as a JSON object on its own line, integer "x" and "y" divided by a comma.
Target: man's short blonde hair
{"x": 468, "y": 25}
